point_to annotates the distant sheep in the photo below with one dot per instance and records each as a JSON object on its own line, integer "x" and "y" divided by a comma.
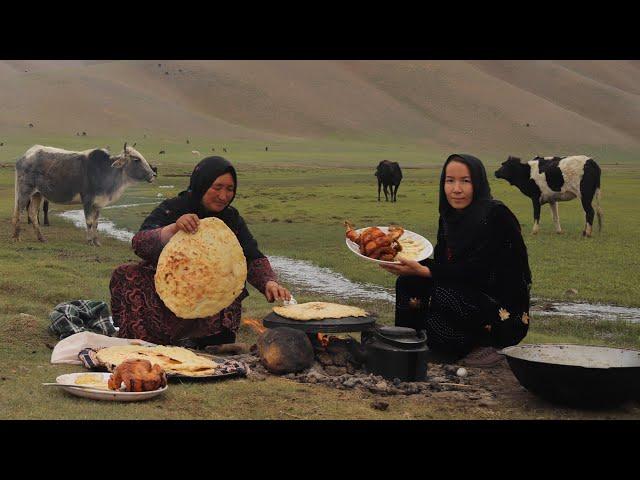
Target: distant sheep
{"x": 196, "y": 152}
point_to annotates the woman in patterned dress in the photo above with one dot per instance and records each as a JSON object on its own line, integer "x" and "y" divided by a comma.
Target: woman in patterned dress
{"x": 473, "y": 296}
{"x": 137, "y": 309}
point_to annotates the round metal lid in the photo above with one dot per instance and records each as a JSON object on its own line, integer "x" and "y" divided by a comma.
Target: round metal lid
{"x": 328, "y": 325}
{"x": 400, "y": 336}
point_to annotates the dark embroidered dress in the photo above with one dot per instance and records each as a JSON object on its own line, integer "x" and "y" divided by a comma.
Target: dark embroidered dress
{"x": 478, "y": 294}
{"x": 137, "y": 309}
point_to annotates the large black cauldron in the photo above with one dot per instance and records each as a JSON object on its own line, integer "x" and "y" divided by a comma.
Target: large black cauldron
{"x": 577, "y": 375}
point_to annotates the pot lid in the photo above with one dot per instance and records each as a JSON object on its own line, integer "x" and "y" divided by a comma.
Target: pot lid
{"x": 403, "y": 335}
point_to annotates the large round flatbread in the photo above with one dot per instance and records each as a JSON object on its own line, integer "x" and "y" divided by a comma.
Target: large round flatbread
{"x": 199, "y": 274}
{"x": 175, "y": 360}
{"x": 318, "y": 311}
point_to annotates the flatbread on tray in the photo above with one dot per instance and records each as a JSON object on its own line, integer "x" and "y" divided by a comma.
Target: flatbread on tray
{"x": 318, "y": 311}
{"x": 174, "y": 360}
{"x": 199, "y": 274}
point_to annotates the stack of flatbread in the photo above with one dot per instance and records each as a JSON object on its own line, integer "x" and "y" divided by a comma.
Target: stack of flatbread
{"x": 199, "y": 274}
{"x": 318, "y": 311}
{"x": 174, "y": 360}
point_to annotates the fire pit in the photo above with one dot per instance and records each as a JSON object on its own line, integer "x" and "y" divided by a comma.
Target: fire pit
{"x": 391, "y": 352}
{"x": 339, "y": 362}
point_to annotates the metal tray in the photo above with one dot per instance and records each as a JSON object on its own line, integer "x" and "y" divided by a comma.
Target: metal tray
{"x": 328, "y": 325}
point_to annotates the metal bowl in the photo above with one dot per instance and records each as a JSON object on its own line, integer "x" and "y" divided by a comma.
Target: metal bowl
{"x": 577, "y": 375}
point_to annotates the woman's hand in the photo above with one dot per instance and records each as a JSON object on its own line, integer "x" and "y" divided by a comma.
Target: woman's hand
{"x": 188, "y": 223}
{"x": 407, "y": 267}
{"x": 273, "y": 292}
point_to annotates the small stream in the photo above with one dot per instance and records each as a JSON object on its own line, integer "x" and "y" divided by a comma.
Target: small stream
{"x": 302, "y": 275}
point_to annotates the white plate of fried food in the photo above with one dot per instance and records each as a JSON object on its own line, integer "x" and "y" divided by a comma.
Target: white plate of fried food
{"x": 95, "y": 386}
{"x": 387, "y": 244}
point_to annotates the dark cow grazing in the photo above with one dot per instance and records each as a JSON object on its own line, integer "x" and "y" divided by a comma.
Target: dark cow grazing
{"x": 161, "y": 152}
{"x": 266, "y": 149}
{"x": 556, "y": 179}
{"x": 93, "y": 177}
{"x": 31, "y": 125}
{"x": 1, "y": 144}
{"x": 224, "y": 150}
{"x": 389, "y": 176}
{"x": 187, "y": 140}
{"x": 213, "y": 149}
{"x": 84, "y": 134}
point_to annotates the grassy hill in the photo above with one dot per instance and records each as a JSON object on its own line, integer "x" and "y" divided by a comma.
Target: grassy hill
{"x": 492, "y": 107}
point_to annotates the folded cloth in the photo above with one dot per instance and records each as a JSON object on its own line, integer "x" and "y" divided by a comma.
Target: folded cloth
{"x": 69, "y": 349}
{"x": 79, "y": 316}
{"x": 89, "y": 359}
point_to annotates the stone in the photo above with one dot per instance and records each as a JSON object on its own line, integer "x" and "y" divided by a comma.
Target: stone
{"x": 324, "y": 358}
{"x": 350, "y": 382}
{"x": 335, "y": 371}
{"x": 380, "y": 405}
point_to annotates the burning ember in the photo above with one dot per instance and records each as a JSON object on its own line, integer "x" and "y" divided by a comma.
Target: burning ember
{"x": 323, "y": 339}
{"x": 255, "y": 325}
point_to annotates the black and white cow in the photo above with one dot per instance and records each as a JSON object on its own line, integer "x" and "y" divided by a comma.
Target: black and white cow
{"x": 556, "y": 179}
{"x": 389, "y": 176}
{"x": 94, "y": 178}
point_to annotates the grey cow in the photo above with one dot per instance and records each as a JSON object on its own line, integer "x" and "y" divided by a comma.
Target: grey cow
{"x": 94, "y": 178}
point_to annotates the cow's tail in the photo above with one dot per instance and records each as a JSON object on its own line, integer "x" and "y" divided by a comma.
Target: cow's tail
{"x": 597, "y": 197}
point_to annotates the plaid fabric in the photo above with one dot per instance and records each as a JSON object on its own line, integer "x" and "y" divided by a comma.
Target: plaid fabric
{"x": 79, "y": 316}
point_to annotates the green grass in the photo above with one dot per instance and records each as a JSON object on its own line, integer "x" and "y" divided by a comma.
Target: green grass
{"x": 294, "y": 198}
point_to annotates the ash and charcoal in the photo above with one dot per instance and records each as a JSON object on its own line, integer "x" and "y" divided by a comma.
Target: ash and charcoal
{"x": 338, "y": 365}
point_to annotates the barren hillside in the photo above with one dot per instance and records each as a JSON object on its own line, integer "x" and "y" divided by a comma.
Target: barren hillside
{"x": 537, "y": 106}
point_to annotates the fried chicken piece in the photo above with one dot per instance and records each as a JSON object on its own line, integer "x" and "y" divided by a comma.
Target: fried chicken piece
{"x": 137, "y": 376}
{"x": 374, "y": 243}
{"x": 351, "y": 232}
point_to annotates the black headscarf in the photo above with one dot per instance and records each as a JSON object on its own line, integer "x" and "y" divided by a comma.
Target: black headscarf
{"x": 465, "y": 228}
{"x": 190, "y": 201}
{"x": 204, "y": 174}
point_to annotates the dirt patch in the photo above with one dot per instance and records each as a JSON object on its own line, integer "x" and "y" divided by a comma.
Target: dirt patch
{"x": 487, "y": 393}
{"x": 24, "y": 329}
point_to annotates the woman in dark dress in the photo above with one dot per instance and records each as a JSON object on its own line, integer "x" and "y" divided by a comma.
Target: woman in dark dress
{"x": 137, "y": 309}
{"x": 473, "y": 296}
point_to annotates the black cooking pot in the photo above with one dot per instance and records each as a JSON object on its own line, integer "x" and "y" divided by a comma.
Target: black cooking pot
{"x": 396, "y": 352}
{"x": 577, "y": 375}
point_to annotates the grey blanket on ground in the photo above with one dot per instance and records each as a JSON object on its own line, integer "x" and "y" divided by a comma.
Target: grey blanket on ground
{"x": 80, "y": 316}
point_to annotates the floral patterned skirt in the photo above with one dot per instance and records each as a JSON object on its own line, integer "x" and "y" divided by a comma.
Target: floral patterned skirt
{"x": 140, "y": 313}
